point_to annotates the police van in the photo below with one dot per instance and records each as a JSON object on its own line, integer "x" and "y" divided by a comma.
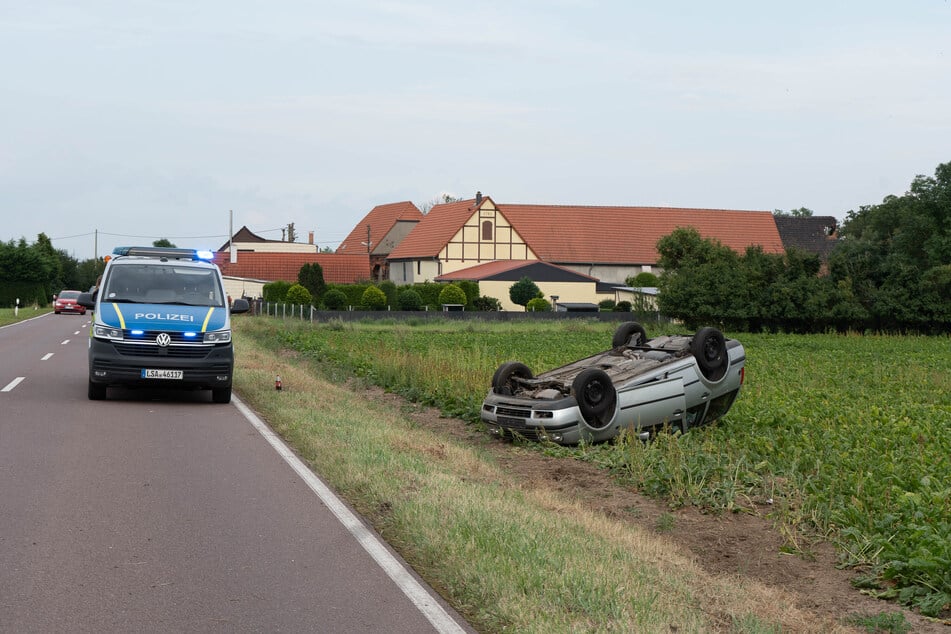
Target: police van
{"x": 162, "y": 319}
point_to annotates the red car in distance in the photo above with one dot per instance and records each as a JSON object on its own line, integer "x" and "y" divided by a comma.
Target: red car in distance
{"x": 65, "y": 302}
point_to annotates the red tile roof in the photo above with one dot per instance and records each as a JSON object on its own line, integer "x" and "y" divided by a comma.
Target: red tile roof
{"x": 435, "y": 230}
{"x": 380, "y": 220}
{"x": 630, "y": 234}
{"x": 588, "y": 234}
{"x": 337, "y": 268}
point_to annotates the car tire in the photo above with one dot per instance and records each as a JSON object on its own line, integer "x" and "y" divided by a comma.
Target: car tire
{"x": 502, "y": 379}
{"x": 626, "y": 331}
{"x": 709, "y": 349}
{"x": 596, "y": 397}
{"x": 96, "y": 391}
{"x": 221, "y": 395}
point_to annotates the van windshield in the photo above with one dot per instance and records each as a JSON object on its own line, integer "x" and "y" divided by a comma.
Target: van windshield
{"x": 164, "y": 284}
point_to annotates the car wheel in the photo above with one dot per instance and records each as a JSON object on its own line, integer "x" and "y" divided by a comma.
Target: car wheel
{"x": 502, "y": 379}
{"x": 96, "y": 391}
{"x": 626, "y": 333}
{"x": 596, "y": 397}
{"x": 709, "y": 348}
{"x": 221, "y": 395}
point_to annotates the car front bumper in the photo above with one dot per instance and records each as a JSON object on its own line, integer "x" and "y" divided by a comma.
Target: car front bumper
{"x": 108, "y": 366}
{"x": 558, "y": 421}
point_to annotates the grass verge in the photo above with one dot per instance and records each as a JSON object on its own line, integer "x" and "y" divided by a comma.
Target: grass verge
{"x": 511, "y": 558}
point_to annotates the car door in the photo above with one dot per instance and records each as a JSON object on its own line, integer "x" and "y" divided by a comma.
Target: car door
{"x": 651, "y": 404}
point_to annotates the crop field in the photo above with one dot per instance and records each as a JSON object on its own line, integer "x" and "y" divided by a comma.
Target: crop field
{"x": 845, "y": 438}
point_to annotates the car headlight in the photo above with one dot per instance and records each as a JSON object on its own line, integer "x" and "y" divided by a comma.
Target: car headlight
{"x": 107, "y": 332}
{"x": 217, "y": 336}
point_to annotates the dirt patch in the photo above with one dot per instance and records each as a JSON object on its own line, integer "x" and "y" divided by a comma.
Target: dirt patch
{"x": 740, "y": 544}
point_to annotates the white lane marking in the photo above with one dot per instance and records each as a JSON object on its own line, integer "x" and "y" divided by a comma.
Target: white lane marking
{"x": 12, "y": 384}
{"x": 65, "y": 341}
{"x": 76, "y": 333}
{"x": 46, "y": 356}
{"x": 420, "y": 597}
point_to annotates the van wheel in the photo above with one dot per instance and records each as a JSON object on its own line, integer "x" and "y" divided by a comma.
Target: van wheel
{"x": 221, "y": 395}
{"x": 96, "y": 391}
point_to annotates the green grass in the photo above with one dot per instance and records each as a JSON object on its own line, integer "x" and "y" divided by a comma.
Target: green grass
{"x": 7, "y": 315}
{"x": 512, "y": 557}
{"x": 845, "y": 437}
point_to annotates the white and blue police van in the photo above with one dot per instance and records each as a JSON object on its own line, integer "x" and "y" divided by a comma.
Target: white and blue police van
{"x": 162, "y": 319}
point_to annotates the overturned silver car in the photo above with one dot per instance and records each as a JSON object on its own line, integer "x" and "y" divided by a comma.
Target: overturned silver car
{"x": 640, "y": 385}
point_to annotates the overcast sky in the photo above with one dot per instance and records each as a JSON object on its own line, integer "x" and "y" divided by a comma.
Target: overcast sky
{"x": 150, "y": 119}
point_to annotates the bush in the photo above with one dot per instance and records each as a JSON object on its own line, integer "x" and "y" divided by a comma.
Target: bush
{"x": 373, "y": 299}
{"x": 276, "y": 291}
{"x": 409, "y": 300}
{"x": 335, "y": 299}
{"x": 623, "y": 307}
{"x": 452, "y": 294}
{"x": 643, "y": 280}
{"x": 606, "y": 304}
{"x": 297, "y": 294}
{"x": 486, "y": 304}
{"x": 538, "y": 305}
{"x": 522, "y": 291}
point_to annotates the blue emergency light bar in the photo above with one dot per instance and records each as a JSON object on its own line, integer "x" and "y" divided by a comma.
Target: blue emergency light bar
{"x": 165, "y": 252}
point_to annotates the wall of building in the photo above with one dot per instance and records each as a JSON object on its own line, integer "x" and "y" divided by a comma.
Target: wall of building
{"x": 566, "y": 292}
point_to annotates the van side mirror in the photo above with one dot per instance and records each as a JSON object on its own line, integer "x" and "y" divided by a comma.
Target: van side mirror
{"x": 87, "y": 300}
{"x": 240, "y": 305}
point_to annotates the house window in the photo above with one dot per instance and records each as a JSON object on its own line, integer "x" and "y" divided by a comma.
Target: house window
{"x": 486, "y": 229}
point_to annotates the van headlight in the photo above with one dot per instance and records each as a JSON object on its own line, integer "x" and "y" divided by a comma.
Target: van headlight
{"x": 107, "y": 332}
{"x": 217, "y": 336}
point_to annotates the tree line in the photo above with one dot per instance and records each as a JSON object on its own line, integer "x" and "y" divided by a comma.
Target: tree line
{"x": 889, "y": 272}
{"x": 33, "y": 273}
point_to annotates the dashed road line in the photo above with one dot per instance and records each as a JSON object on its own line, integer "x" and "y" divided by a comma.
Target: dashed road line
{"x": 46, "y": 356}
{"x": 12, "y": 384}
{"x": 65, "y": 341}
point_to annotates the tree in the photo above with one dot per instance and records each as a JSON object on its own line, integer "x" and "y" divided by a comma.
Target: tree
{"x": 802, "y": 212}
{"x": 644, "y": 279}
{"x": 373, "y": 298}
{"x": 523, "y": 291}
{"x": 163, "y": 242}
{"x": 409, "y": 300}
{"x": 538, "y": 305}
{"x": 335, "y": 299}
{"x": 452, "y": 294}
{"x": 311, "y": 277}
{"x": 275, "y": 291}
{"x": 297, "y": 294}
{"x": 440, "y": 199}
{"x": 892, "y": 254}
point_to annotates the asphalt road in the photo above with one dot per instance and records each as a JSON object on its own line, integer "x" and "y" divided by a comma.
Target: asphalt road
{"x": 164, "y": 512}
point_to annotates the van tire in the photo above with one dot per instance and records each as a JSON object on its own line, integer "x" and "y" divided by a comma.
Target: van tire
{"x": 221, "y": 395}
{"x": 96, "y": 391}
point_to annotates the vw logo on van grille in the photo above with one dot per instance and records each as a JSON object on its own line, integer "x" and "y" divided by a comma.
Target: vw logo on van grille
{"x": 163, "y": 340}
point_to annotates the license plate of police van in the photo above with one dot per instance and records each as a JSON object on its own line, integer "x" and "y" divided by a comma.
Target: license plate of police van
{"x": 162, "y": 374}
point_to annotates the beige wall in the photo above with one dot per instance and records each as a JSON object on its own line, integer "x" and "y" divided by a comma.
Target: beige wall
{"x": 566, "y": 292}
{"x": 241, "y": 287}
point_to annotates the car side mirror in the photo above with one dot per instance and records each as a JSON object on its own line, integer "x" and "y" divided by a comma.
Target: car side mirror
{"x": 87, "y": 300}
{"x": 240, "y": 305}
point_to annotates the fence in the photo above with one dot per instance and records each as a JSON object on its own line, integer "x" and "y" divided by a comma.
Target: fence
{"x": 303, "y": 312}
